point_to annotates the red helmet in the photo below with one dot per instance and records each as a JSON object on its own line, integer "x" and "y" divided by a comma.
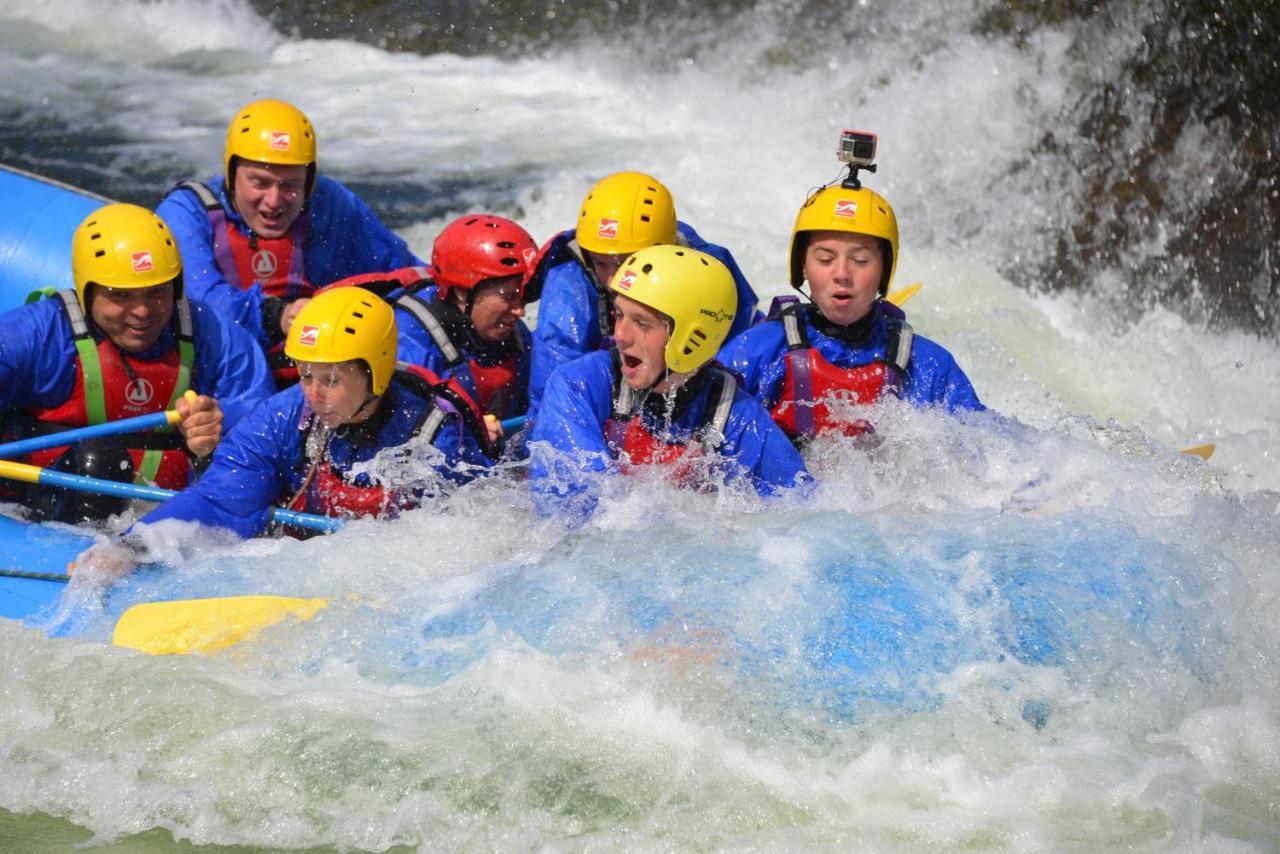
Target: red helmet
{"x": 477, "y": 247}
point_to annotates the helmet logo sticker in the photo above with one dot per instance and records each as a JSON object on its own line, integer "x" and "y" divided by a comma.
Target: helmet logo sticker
{"x": 718, "y": 316}
{"x": 278, "y": 140}
{"x": 264, "y": 263}
{"x": 141, "y": 262}
{"x": 608, "y": 229}
{"x": 846, "y": 208}
{"x": 138, "y": 392}
{"x": 529, "y": 255}
{"x": 309, "y": 336}
{"x": 625, "y": 281}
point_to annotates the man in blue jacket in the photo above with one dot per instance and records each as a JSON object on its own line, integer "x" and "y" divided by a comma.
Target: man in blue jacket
{"x": 624, "y": 212}
{"x": 656, "y": 398}
{"x": 312, "y": 447}
{"x": 816, "y": 365}
{"x": 260, "y": 239}
{"x": 125, "y": 342}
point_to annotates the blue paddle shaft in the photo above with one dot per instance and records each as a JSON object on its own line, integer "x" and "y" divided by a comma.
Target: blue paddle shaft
{"x": 310, "y": 521}
{"x": 9, "y": 450}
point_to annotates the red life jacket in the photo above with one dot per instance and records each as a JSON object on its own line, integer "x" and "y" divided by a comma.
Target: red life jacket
{"x": 110, "y": 385}
{"x": 635, "y": 445}
{"x": 812, "y": 384}
{"x": 502, "y": 387}
{"x": 246, "y": 260}
{"x": 330, "y": 493}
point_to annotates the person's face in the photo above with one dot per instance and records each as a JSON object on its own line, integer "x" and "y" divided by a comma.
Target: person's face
{"x": 336, "y": 391}
{"x": 844, "y": 272}
{"x": 641, "y": 336}
{"x": 496, "y": 308}
{"x": 269, "y": 197}
{"x": 133, "y": 318}
{"x": 604, "y": 265}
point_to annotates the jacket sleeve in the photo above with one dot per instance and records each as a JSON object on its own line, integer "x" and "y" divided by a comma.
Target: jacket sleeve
{"x": 201, "y": 279}
{"x": 568, "y": 326}
{"x": 37, "y": 358}
{"x": 757, "y": 357}
{"x": 567, "y": 447}
{"x": 934, "y": 378}
{"x": 250, "y": 472}
{"x": 346, "y": 237}
{"x": 230, "y": 366}
{"x": 762, "y": 451}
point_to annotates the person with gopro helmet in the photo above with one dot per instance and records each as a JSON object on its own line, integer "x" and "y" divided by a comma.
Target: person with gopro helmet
{"x": 308, "y": 447}
{"x": 812, "y": 364}
{"x": 259, "y": 239}
{"x": 469, "y": 326}
{"x": 126, "y": 342}
{"x": 622, "y": 213}
{"x": 656, "y": 397}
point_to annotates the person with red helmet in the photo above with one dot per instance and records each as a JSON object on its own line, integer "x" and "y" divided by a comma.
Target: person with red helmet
{"x": 469, "y": 326}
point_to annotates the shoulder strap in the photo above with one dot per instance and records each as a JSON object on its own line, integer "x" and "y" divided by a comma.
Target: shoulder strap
{"x": 424, "y": 313}
{"x": 724, "y": 387}
{"x": 446, "y": 398}
{"x": 793, "y": 325}
{"x": 208, "y": 199}
{"x": 897, "y": 351}
{"x": 95, "y": 403}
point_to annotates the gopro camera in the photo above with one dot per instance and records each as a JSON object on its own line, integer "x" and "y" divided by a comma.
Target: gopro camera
{"x": 857, "y": 148}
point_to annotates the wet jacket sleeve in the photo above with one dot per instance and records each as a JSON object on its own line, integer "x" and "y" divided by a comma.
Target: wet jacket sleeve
{"x": 346, "y": 238}
{"x": 567, "y": 447}
{"x": 229, "y": 366}
{"x": 568, "y": 325}
{"x": 249, "y": 474}
{"x": 202, "y": 280}
{"x": 37, "y": 356}
{"x": 748, "y": 313}
{"x": 758, "y": 449}
{"x": 934, "y": 378}
{"x": 758, "y": 356}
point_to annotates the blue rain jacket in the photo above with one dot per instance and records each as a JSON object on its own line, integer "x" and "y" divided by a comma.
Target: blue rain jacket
{"x": 343, "y": 238}
{"x": 568, "y": 441}
{"x": 932, "y": 377}
{"x": 38, "y": 360}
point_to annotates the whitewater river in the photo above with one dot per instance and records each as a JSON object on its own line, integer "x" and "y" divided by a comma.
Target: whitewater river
{"x": 1038, "y": 629}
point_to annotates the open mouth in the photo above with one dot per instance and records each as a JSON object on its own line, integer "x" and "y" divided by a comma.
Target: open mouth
{"x": 631, "y": 363}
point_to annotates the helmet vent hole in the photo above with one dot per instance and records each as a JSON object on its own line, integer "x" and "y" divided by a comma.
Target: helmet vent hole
{"x": 348, "y": 330}
{"x": 509, "y": 262}
{"x": 100, "y": 253}
{"x": 648, "y": 202}
{"x": 357, "y": 314}
{"x": 647, "y": 269}
{"x": 704, "y": 262}
{"x": 645, "y": 218}
{"x": 506, "y": 244}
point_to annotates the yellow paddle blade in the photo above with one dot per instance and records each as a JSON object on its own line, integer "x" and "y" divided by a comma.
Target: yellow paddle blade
{"x": 901, "y": 295}
{"x": 205, "y": 625}
{"x": 1201, "y": 451}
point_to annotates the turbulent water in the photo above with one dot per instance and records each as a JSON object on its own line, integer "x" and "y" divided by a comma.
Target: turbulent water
{"x": 1038, "y": 630}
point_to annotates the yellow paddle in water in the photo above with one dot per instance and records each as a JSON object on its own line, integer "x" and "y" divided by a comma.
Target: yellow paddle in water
{"x": 206, "y": 625}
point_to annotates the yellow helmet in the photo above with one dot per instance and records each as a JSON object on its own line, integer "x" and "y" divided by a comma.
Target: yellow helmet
{"x": 343, "y": 324}
{"x": 124, "y": 246}
{"x": 624, "y": 212}
{"x": 271, "y": 132}
{"x": 838, "y": 208}
{"x": 692, "y": 288}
